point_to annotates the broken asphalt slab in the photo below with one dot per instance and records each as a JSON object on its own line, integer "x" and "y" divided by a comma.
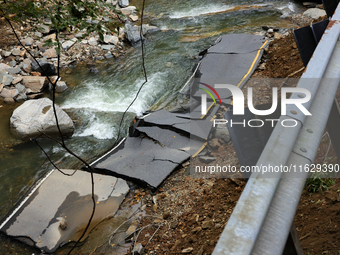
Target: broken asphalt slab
{"x": 57, "y": 209}
{"x": 171, "y": 139}
{"x": 191, "y": 127}
{"x": 141, "y": 160}
{"x": 231, "y": 61}
{"x": 196, "y": 113}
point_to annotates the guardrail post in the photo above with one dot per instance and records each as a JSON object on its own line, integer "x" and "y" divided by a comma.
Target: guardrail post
{"x": 333, "y": 125}
{"x": 293, "y": 245}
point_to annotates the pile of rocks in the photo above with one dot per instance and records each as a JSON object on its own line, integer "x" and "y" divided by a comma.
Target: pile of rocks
{"x": 20, "y": 75}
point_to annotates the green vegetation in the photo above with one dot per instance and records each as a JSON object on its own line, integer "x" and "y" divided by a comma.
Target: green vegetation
{"x": 317, "y": 183}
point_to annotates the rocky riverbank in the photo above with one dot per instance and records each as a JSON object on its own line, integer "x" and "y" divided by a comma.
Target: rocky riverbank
{"x": 20, "y": 76}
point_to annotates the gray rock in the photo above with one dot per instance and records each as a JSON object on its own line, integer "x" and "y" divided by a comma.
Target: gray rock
{"x": 92, "y": 41}
{"x": 21, "y": 88}
{"x": 222, "y": 132}
{"x": 41, "y": 47}
{"x": 79, "y": 35}
{"x": 4, "y": 67}
{"x": 128, "y": 10}
{"x": 38, "y": 34}
{"x": 107, "y": 47}
{"x": 60, "y": 87}
{"x": 13, "y": 63}
{"x": 50, "y": 53}
{"x": 16, "y": 80}
{"x": 123, "y": 3}
{"x": 44, "y": 29}
{"x": 68, "y": 44}
{"x": 6, "y": 79}
{"x": 27, "y": 68}
{"x": 6, "y": 53}
{"x": 132, "y": 33}
{"x": 149, "y": 29}
{"x": 48, "y": 69}
{"x": 314, "y": 13}
{"x": 214, "y": 143}
{"x": 21, "y": 98}
{"x": 108, "y": 55}
{"x": 99, "y": 58}
{"x": 9, "y": 93}
{"x": 14, "y": 70}
{"x": 27, "y": 61}
{"x": 36, "y": 116}
{"x": 36, "y": 84}
{"x": 137, "y": 249}
{"x": 28, "y": 41}
{"x": 16, "y": 51}
{"x": 134, "y": 18}
{"x": 111, "y": 39}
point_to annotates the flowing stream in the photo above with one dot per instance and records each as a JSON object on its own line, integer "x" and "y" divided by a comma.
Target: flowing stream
{"x": 96, "y": 101}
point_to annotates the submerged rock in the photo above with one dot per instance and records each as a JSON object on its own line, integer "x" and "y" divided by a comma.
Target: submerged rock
{"x": 35, "y": 117}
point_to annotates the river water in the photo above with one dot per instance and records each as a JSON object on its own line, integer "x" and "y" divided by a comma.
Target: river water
{"x": 96, "y": 101}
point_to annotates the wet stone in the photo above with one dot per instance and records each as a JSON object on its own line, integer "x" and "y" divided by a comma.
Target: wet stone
{"x": 9, "y": 101}
{"x": 21, "y": 97}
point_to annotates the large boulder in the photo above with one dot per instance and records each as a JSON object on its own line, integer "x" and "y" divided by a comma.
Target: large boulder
{"x": 35, "y": 117}
{"x": 315, "y": 13}
{"x": 48, "y": 69}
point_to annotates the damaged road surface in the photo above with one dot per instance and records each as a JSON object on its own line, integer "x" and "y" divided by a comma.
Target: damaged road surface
{"x": 56, "y": 210}
{"x": 142, "y": 161}
{"x": 232, "y": 60}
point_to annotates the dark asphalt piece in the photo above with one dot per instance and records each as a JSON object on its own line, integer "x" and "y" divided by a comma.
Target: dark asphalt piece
{"x": 171, "y": 139}
{"x": 142, "y": 159}
{"x": 237, "y": 44}
{"x": 196, "y": 128}
{"x": 231, "y": 61}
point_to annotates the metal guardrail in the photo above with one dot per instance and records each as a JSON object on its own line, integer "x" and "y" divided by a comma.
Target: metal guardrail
{"x": 263, "y": 216}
